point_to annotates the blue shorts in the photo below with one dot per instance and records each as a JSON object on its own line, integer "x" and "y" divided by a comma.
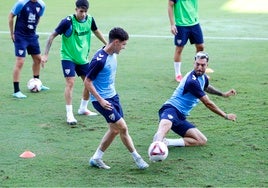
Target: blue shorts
{"x": 113, "y": 115}
{"x": 179, "y": 123}
{"x": 31, "y": 44}
{"x": 69, "y": 68}
{"x": 193, "y": 33}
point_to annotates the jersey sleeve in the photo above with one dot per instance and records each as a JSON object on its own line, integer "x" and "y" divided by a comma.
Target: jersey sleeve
{"x": 43, "y": 5}
{"x": 96, "y": 65}
{"x": 206, "y": 82}
{"x": 194, "y": 88}
{"x": 17, "y": 7}
{"x": 93, "y": 25}
{"x": 65, "y": 26}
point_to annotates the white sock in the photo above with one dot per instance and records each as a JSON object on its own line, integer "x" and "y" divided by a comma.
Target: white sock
{"x": 135, "y": 155}
{"x": 83, "y": 104}
{"x": 98, "y": 154}
{"x": 69, "y": 110}
{"x": 176, "y": 142}
{"x": 177, "y": 68}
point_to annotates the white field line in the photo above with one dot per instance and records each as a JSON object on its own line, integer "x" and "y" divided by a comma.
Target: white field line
{"x": 163, "y": 36}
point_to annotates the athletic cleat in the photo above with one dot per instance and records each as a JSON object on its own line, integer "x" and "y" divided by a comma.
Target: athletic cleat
{"x": 178, "y": 78}
{"x": 71, "y": 121}
{"x": 98, "y": 163}
{"x": 86, "y": 112}
{"x": 19, "y": 95}
{"x": 44, "y": 88}
{"x": 141, "y": 163}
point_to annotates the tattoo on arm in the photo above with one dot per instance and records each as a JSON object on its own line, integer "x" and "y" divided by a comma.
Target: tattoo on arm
{"x": 210, "y": 89}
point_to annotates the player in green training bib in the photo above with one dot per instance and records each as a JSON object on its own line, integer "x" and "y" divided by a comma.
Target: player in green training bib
{"x": 76, "y": 32}
{"x": 184, "y": 22}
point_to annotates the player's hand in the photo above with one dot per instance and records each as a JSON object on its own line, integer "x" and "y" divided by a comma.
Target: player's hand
{"x": 229, "y": 93}
{"x": 231, "y": 117}
{"x": 12, "y": 36}
{"x": 106, "y": 105}
{"x": 174, "y": 30}
{"x": 44, "y": 59}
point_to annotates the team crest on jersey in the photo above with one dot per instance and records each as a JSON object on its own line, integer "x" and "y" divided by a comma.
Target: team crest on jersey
{"x": 37, "y": 9}
{"x": 112, "y": 116}
{"x": 170, "y": 116}
{"x": 67, "y": 71}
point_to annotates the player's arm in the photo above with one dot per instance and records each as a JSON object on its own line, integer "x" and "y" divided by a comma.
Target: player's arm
{"x": 214, "y": 108}
{"x": 64, "y": 27}
{"x": 210, "y": 89}
{"x": 48, "y": 46}
{"x": 16, "y": 9}
{"x": 91, "y": 88}
{"x": 11, "y": 25}
{"x": 99, "y": 35}
{"x": 97, "y": 32}
{"x": 171, "y": 17}
{"x": 95, "y": 66}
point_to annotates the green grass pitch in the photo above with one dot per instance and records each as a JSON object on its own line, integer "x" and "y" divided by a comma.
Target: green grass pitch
{"x": 236, "y": 153}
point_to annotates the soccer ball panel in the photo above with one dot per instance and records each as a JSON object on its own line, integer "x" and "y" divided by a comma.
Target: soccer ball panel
{"x": 158, "y": 151}
{"x": 34, "y": 85}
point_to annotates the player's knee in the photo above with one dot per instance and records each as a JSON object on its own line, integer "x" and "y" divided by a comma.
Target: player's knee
{"x": 202, "y": 141}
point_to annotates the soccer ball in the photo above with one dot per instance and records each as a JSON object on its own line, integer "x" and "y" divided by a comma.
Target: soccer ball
{"x": 34, "y": 85}
{"x": 158, "y": 151}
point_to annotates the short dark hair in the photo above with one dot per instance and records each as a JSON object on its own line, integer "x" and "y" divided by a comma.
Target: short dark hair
{"x": 82, "y": 4}
{"x": 118, "y": 33}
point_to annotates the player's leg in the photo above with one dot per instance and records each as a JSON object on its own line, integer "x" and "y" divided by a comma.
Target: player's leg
{"x": 196, "y": 37}
{"x": 16, "y": 77}
{"x": 191, "y": 136}
{"x": 96, "y": 159}
{"x": 194, "y": 137}
{"x": 163, "y": 128}
{"x": 117, "y": 125}
{"x": 34, "y": 50}
{"x": 178, "y": 62}
{"x": 167, "y": 114}
{"x": 121, "y": 125}
{"x": 20, "y": 45}
{"x": 68, "y": 68}
{"x": 128, "y": 142}
{"x": 68, "y": 94}
{"x": 36, "y": 65}
{"x": 83, "y": 109}
{"x": 199, "y": 47}
{"x": 180, "y": 40}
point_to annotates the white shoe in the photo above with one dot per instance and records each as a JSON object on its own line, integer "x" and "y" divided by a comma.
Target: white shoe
{"x": 71, "y": 121}
{"x": 98, "y": 163}
{"x": 86, "y": 112}
{"x": 141, "y": 163}
{"x": 19, "y": 95}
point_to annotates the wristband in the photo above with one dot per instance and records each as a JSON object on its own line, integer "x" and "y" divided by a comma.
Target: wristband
{"x": 226, "y": 116}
